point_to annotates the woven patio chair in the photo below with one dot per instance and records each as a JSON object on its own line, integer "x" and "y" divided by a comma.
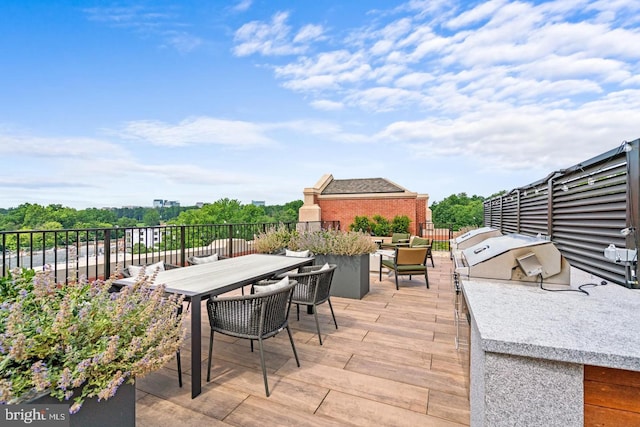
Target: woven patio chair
{"x": 407, "y": 261}
{"x": 314, "y": 285}
{"x": 397, "y": 239}
{"x": 254, "y": 317}
{"x": 419, "y": 242}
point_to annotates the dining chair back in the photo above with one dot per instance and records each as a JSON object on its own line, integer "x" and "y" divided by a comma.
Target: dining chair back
{"x": 313, "y": 289}
{"x": 258, "y": 316}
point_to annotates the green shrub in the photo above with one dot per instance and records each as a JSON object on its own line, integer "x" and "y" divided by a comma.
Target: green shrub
{"x": 382, "y": 227}
{"x": 400, "y": 224}
{"x": 361, "y": 223}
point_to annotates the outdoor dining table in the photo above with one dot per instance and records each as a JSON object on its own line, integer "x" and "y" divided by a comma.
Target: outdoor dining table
{"x": 204, "y": 280}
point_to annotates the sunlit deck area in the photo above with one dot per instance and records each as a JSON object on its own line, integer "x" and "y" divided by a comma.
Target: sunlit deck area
{"x": 392, "y": 362}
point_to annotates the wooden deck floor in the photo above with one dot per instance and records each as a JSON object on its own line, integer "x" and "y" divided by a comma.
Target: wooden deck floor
{"x": 392, "y": 362}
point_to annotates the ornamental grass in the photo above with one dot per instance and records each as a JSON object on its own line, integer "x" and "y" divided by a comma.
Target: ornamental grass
{"x": 323, "y": 242}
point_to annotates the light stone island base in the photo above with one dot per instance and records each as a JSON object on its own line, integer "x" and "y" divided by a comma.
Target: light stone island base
{"x": 508, "y": 390}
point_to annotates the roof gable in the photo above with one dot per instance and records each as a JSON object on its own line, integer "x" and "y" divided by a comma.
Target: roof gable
{"x": 361, "y": 186}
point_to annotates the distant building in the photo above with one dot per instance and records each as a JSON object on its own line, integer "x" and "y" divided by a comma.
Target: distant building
{"x": 149, "y": 237}
{"x": 199, "y": 205}
{"x": 160, "y": 203}
{"x": 257, "y": 202}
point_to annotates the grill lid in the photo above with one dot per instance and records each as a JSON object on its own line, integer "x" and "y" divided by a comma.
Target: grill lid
{"x": 494, "y": 246}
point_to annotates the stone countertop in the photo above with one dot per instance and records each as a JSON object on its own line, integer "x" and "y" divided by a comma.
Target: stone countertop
{"x": 599, "y": 329}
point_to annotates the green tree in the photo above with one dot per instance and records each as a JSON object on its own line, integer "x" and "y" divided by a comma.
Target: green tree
{"x": 458, "y": 210}
{"x": 151, "y": 217}
{"x": 223, "y": 211}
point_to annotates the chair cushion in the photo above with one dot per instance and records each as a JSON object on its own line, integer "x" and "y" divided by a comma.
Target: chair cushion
{"x": 413, "y": 267}
{"x": 418, "y": 242}
{"x": 134, "y": 270}
{"x": 205, "y": 259}
{"x": 272, "y": 287}
{"x": 388, "y": 263}
{"x": 297, "y": 254}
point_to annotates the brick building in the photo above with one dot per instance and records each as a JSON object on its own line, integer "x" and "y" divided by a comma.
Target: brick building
{"x": 344, "y": 199}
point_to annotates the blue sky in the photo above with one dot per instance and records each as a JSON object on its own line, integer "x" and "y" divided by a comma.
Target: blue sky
{"x": 119, "y": 103}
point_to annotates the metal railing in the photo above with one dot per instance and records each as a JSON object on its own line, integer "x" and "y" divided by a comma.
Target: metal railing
{"x": 97, "y": 253}
{"x": 441, "y": 236}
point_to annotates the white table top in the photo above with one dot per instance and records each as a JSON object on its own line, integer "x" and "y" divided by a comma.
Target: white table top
{"x": 221, "y": 276}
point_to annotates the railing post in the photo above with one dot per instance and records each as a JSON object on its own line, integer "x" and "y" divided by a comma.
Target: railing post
{"x": 182, "y": 245}
{"x": 230, "y": 245}
{"x": 106, "y": 249}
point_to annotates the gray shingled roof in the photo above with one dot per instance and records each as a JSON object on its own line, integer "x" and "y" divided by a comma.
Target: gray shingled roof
{"x": 359, "y": 186}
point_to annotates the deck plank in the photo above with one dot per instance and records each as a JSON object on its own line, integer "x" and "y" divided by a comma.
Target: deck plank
{"x": 391, "y": 362}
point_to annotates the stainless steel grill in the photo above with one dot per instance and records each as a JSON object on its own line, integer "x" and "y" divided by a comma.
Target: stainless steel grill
{"x": 514, "y": 257}
{"x": 476, "y": 236}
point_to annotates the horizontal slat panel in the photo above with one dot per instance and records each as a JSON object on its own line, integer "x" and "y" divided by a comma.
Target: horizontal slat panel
{"x": 588, "y": 210}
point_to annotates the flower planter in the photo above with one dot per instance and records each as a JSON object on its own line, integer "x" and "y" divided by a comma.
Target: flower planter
{"x": 351, "y": 277}
{"x": 119, "y": 410}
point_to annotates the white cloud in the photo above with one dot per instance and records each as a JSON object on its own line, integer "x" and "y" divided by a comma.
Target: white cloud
{"x": 183, "y": 42}
{"x": 511, "y": 139}
{"x": 309, "y": 33}
{"x": 327, "y": 105}
{"x": 274, "y": 38}
{"x": 196, "y": 131}
{"x": 164, "y": 24}
{"x": 243, "y": 6}
{"x": 40, "y": 147}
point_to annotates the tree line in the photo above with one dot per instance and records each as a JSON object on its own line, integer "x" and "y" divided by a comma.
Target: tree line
{"x": 458, "y": 210}
{"x": 29, "y": 216}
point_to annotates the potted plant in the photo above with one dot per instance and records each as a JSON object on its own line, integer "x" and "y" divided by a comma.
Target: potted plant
{"x": 274, "y": 240}
{"x": 348, "y": 250}
{"x": 80, "y": 342}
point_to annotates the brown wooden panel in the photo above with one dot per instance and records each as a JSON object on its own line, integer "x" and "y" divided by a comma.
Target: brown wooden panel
{"x": 612, "y": 396}
{"x": 596, "y": 416}
{"x": 612, "y": 376}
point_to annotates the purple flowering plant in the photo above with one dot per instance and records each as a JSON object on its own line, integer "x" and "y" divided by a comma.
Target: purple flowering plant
{"x": 78, "y": 340}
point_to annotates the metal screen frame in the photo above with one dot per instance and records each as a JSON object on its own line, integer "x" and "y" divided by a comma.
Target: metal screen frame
{"x": 582, "y": 209}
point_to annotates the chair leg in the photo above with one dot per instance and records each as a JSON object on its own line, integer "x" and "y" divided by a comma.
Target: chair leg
{"x": 332, "y": 315}
{"x": 397, "y": 287}
{"x": 380, "y": 272}
{"x": 179, "y": 368}
{"x": 298, "y": 311}
{"x": 293, "y": 346}
{"x": 264, "y": 368}
{"x": 315, "y": 315}
{"x": 426, "y": 277}
{"x": 210, "y": 353}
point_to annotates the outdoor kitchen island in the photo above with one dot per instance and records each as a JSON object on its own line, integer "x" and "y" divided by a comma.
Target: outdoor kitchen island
{"x": 541, "y": 358}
